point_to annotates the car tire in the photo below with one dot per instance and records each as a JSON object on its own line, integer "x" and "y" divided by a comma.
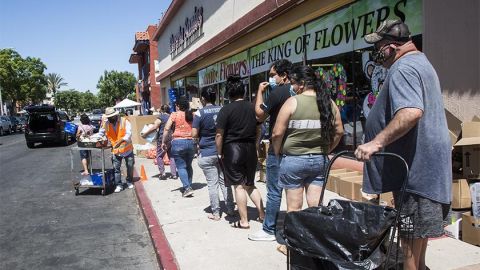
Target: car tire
{"x": 1, "y": 131}
{"x": 30, "y": 144}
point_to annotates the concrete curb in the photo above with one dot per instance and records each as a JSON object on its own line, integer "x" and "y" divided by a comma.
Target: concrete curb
{"x": 165, "y": 256}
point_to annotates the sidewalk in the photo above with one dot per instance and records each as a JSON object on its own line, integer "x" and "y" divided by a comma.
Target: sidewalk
{"x": 200, "y": 243}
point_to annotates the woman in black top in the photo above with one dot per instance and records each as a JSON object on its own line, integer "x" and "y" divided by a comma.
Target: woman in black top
{"x": 235, "y": 140}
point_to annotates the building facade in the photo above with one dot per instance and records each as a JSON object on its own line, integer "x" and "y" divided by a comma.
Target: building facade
{"x": 145, "y": 55}
{"x": 200, "y": 43}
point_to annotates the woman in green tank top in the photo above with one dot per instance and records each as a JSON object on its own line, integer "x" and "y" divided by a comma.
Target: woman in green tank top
{"x": 308, "y": 127}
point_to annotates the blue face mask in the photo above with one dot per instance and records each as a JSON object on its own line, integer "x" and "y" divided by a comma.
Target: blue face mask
{"x": 272, "y": 82}
{"x": 292, "y": 91}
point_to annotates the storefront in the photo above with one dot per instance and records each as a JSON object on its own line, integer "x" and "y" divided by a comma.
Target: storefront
{"x": 327, "y": 35}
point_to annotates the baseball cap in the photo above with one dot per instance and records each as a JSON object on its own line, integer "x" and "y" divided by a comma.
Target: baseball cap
{"x": 394, "y": 30}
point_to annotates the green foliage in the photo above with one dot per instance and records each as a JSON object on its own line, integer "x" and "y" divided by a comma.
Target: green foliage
{"x": 55, "y": 81}
{"x": 22, "y": 79}
{"x": 88, "y": 101}
{"x": 114, "y": 85}
{"x": 68, "y": 100}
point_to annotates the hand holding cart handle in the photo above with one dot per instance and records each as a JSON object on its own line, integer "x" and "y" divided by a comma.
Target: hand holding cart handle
{"x": 352, "y": 154}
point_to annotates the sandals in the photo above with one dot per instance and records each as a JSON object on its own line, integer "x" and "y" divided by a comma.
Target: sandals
{"x": 237, "y": 225}
{"x": 214, "y": 217}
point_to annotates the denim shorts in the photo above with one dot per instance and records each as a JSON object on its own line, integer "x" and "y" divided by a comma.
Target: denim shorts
{"x": 84, "y": 154}
{"x": 298, "y": 171}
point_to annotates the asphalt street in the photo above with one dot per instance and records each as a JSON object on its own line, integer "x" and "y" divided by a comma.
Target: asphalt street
{"x": 43, "y": 225}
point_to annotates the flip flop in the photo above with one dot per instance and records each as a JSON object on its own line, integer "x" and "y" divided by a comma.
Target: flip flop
{"x": 213, "y": 217}
{"x": 260, "y": 219}
{"x": 237, "y": 225}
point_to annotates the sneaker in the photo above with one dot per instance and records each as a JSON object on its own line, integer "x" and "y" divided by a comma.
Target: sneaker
{"x": 118, "y": 188}
{"x": 188, "y": 193}
{"x": 162, "y": 177}
{"x": 261, "y": 235}
{"x": 130, "y": 185}
{"x": 173, "y": 177}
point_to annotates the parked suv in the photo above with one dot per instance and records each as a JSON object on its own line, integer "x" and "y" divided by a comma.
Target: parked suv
{"x": 46, "y": 124}
{"x": 5, "y": 125}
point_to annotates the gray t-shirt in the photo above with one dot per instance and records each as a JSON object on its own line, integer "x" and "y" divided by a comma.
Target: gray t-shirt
{"x": 412, "y": 83}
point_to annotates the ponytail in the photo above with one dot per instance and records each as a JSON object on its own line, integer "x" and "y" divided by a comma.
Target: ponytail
{"x": 184, "y": 106}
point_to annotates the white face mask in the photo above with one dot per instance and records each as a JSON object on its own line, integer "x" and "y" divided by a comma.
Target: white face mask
{"x": 272, "y": 82}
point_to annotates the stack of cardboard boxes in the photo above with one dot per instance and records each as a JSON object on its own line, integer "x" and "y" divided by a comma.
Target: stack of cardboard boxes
{"x": 466, "y": 163}
{"x": 140, "y": 145}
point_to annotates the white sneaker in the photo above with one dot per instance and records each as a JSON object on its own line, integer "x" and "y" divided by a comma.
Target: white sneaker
{"x": 261, "y": 235}
{"x": 130, "y": 185}
{"x": 118, "y": 189}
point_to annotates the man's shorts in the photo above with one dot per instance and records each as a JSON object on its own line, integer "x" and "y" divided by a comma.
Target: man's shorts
{"x": 84, "y": 154}
{"x": 421, "y": 217}
{"x": 298, "y": 171}
{"x": 239, "y": 163}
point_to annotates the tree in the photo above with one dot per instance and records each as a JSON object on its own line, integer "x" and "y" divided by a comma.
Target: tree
{"x": 88, "y": 101}
{"x": 68, "y": 100}
{"x": 55, "y": 81}
{"x": 114, "y": 85}
{"x": 22, "y": 80}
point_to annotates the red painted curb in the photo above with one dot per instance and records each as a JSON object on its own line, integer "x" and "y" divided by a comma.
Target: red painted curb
{"x": 165, "y": 256}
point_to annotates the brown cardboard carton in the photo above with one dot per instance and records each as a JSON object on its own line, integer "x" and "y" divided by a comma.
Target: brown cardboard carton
{"x": 386, "y": 199}
{"x": 345, "y": 186}
{"x": 357, "y": 190}
{"x": 470, "y": 143}
{"x": 137, "y": 123}
{"x": 334, "y": 178}
{"x": 331, "y": 181}
{"x": 470, "y": 230}
{"x": 461, "y": 197}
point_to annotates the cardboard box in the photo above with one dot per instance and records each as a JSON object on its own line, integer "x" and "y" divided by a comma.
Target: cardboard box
{"x": 137, "y": 123}
{"x": 470, "y": 230}
{"x": 470, "y": 143}
{"x": 461, "y": 197}
{"x": 386, "y": 199}
{"x": 454, "y": 230}
{"x": 345, "y": 186}
{"x": 332, "y": 180}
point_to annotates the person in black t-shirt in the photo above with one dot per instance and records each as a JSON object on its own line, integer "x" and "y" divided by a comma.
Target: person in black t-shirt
{"x": 280, "y": 91}
{"x": 236, "y": 147}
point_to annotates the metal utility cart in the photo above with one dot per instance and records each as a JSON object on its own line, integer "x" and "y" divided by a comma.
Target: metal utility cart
{"x": 101, "y": 174}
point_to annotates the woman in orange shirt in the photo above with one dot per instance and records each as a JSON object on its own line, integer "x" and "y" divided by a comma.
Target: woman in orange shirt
{"x": 182, "y": 143}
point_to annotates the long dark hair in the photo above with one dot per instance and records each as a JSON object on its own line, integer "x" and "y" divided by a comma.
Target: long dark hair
{"x": 184, "y": 106}
{"x": 209, "y": 95}
{"x": 235, "y": 87}
{"x": 306, "y": 75}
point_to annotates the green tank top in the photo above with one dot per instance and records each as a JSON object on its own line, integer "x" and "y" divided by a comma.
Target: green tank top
{"x": 303, "y": 135}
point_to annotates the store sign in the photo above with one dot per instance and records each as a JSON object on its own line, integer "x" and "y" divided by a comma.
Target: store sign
{"x": 208, "y": 75}
{"x": 188, "y": 33}
{"x": 235, "y": 65}
{"x": 287, "y": 46}
{"x": 343, "y": 31}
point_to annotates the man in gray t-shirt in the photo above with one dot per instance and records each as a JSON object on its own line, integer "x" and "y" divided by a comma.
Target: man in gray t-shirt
{"x": 408, "y": 119}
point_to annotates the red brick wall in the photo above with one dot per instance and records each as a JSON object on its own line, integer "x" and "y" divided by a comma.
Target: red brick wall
{"x": 155, "y": 95}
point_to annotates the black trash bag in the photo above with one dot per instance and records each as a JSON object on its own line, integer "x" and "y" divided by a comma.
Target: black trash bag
{"x": 349, "y": 234}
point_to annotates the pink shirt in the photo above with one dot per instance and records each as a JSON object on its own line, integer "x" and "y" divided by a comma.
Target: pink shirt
{"x": 183, "y": 129}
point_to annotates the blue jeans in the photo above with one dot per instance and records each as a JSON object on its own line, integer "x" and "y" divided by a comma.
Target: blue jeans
{"x": 299, "y": 171}
{"x": 183, "y": 151}
{"x": 274, "y": 194}
{"x": 117, "y": 163}
{"x": 215, "y": 181}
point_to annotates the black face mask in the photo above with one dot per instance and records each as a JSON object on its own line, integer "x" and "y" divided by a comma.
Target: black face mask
{"x": 112, "y": 120}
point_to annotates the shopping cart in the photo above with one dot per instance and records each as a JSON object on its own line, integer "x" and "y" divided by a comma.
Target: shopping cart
{"x": 344, "y": 234}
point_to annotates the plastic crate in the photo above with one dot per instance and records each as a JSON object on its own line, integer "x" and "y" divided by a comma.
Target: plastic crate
{"x": 70, "y": 128}
{"x": 97, "y": 177}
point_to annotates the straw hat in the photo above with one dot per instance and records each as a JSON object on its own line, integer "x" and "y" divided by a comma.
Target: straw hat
{"x": 110, "y": 111}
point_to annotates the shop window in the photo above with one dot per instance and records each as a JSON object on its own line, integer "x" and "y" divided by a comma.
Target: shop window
{"x": 255, "y": 80}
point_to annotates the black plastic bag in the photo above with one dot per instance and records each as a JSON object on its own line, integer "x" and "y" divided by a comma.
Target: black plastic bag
{"x": 347, "y": 233}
